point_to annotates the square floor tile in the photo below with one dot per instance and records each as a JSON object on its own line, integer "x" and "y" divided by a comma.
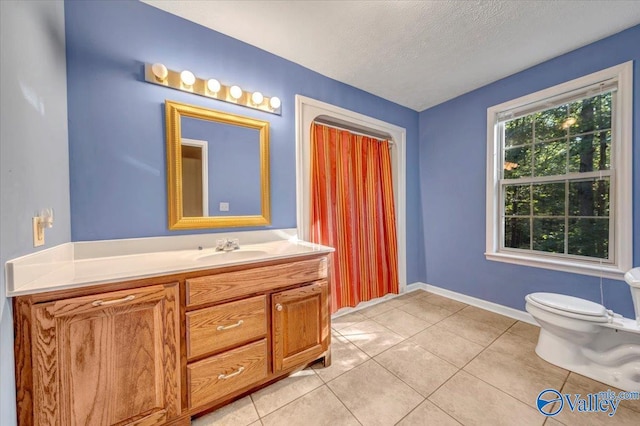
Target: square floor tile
{"x": 428, "y": 414}
{"x": 395, "y": 302}
{"x": 347, "y": 320}
{"x": 470, "y": 329}
{"x": 524, "y": 350}
{"x": 286, "y": 390}
{"x": 426, "y": 311}
{"x": 371, "y": 337}
{"x": 374, "y": 395}
{"x": 417, "y": 367}
{"x": 240, "y": 413}
{"x": 471, "y": 401}
{"x": 376, "y": 309}
{"x": 447, "y": 345}
{"x": 514, "y": 375}
{"x": 622, "y": 417}
{"x": 401, "y": 322}
{"x": 318, "y": 407}
{"x": 528, "y": 331}
{"x": 444, "y": 302}
{"x": 593, "y": 386}
{"x": 487, "y": 318}
{"x": 344, "y": 356}
{"x": 410, "y": 295}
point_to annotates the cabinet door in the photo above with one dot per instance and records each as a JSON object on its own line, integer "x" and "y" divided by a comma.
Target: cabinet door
{"x": 108, "y": 359}
{"x": 300, "y": 324}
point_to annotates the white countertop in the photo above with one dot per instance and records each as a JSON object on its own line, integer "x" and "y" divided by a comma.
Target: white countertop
{"x": 58, "y": 268}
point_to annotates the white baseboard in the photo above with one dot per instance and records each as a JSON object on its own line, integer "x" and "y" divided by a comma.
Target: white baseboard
{"x": 473, "y": 301}
{"x": 469, "y": 300}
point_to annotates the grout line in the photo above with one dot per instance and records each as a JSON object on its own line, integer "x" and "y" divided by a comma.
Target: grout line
{"x": 400, "y": 378}
{"x": 492, "y": 385}
{"x": 290, "y": 402}
{"x": 342, "y": 402}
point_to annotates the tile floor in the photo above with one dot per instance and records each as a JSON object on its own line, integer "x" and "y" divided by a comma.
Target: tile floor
{"x": 422, "y": 359}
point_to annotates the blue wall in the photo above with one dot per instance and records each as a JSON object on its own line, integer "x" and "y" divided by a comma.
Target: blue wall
{"x": 34, "y": 161}
{"x": 452, "y": 176}
{"x": 116, "y": 123}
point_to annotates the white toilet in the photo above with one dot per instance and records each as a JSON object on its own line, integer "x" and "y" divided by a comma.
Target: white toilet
{"x": 585, "y": 337}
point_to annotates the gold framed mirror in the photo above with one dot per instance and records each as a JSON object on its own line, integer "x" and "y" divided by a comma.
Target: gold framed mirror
{"x": 217, "y": 168}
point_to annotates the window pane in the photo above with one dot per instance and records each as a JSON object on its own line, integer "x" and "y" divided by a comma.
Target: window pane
{"x": 548, "y": 124}
{"x": 518, "y": 131}
{"x": 589, "y": 197}
{"x": 517, "y": 200}
{"x": 548, "y": 199}
{"x": 548, "y": 235}
{"x": 517, "y": 162}
{"x": 591, "y": 114}
{"x": 517, "y": 233}
{"x": 551, "y": 158}
{"x": 589, "y": 237}
{"x": 590, "y": 152}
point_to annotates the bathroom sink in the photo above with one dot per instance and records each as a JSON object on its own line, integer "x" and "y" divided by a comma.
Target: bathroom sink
{"x": 222, "y": 256}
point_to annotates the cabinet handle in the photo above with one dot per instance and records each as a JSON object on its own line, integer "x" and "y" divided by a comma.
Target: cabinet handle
{"x": 228, "y": 376}
{"x": 227, "y": 327}
{"x": 114, "y": 301}
{"x": 278, "y": 307}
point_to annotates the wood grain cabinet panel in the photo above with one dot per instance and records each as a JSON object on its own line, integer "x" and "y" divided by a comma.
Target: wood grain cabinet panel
{"x": 300, "y": 325}
{"x": 108, "y": 359}
{"x": 231, "y": 324}
{"x": 229, "y": 285}
{"x": 219, "y": 375}
{"x": 144, "y": 353}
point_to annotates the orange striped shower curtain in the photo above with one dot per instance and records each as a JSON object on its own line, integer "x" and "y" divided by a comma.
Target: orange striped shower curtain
{"x": 352, "y": 210}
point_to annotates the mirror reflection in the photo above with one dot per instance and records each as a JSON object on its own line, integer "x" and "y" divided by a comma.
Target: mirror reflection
{"x": 217, "y": 166}
{"x": 220, "y": 169}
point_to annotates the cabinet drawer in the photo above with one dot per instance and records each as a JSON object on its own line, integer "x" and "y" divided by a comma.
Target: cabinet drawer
{"x": 223, "y": 326}
{"x": 229, "y": 285}
{"x": 219, "y": 375}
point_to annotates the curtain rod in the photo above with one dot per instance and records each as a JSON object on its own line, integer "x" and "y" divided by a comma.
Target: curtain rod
{"x": 377, "y": 137}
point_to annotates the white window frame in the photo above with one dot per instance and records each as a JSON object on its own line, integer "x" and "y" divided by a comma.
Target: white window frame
{"x": 622, "y": 179}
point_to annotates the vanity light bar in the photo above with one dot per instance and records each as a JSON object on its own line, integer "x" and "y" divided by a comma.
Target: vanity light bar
{"x": 186, "y": 81}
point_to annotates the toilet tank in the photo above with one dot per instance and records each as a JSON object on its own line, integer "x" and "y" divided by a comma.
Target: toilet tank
{"x": 632, "y": 278}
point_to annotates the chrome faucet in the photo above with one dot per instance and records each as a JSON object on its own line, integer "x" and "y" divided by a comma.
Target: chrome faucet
{"x": 227, "y": 245}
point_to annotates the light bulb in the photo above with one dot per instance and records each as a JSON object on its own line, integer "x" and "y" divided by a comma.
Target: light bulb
{"x": 274, "y": 102}
{"x": 187, "y": 78}
{"x": 236, "y": 92}
{"x": 160, "y": 71}
{"x": 257, "y": 98}
{"x": 213, "y": 85}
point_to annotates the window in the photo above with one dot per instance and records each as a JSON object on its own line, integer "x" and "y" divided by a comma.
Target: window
{"x": 559, "y": 176}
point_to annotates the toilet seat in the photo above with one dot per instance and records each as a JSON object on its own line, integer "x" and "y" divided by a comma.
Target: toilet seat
{"x": 569, "y": 306}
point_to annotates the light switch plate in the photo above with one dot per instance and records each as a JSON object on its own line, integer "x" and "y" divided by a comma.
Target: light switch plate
{"x": 38, "y": 233}
{"x": 224, "y": 207}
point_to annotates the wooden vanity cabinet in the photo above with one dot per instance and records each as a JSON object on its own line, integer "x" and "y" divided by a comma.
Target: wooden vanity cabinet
{"x": 105, "y": 359}
{"x": 158, "y": 351}
{"x": 248, "y": 327}
{"x": 300, "y": 318}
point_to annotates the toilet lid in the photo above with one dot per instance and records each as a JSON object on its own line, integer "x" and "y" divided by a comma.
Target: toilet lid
{"x": 569, "y": 304}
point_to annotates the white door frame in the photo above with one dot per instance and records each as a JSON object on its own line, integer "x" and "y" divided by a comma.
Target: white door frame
{"x": 308, "y": 110}
{"x": 203, "y": 145}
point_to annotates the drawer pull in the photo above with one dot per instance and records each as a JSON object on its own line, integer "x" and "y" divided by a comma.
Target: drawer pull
{"x": 228, "y": 376}
{"x": 113, "y": 302}
{"x": 278, "y": 307}
{"x": 227, "y": 327}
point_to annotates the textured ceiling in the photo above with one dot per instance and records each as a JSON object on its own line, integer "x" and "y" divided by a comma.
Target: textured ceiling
{"x": 415, "y": 53}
